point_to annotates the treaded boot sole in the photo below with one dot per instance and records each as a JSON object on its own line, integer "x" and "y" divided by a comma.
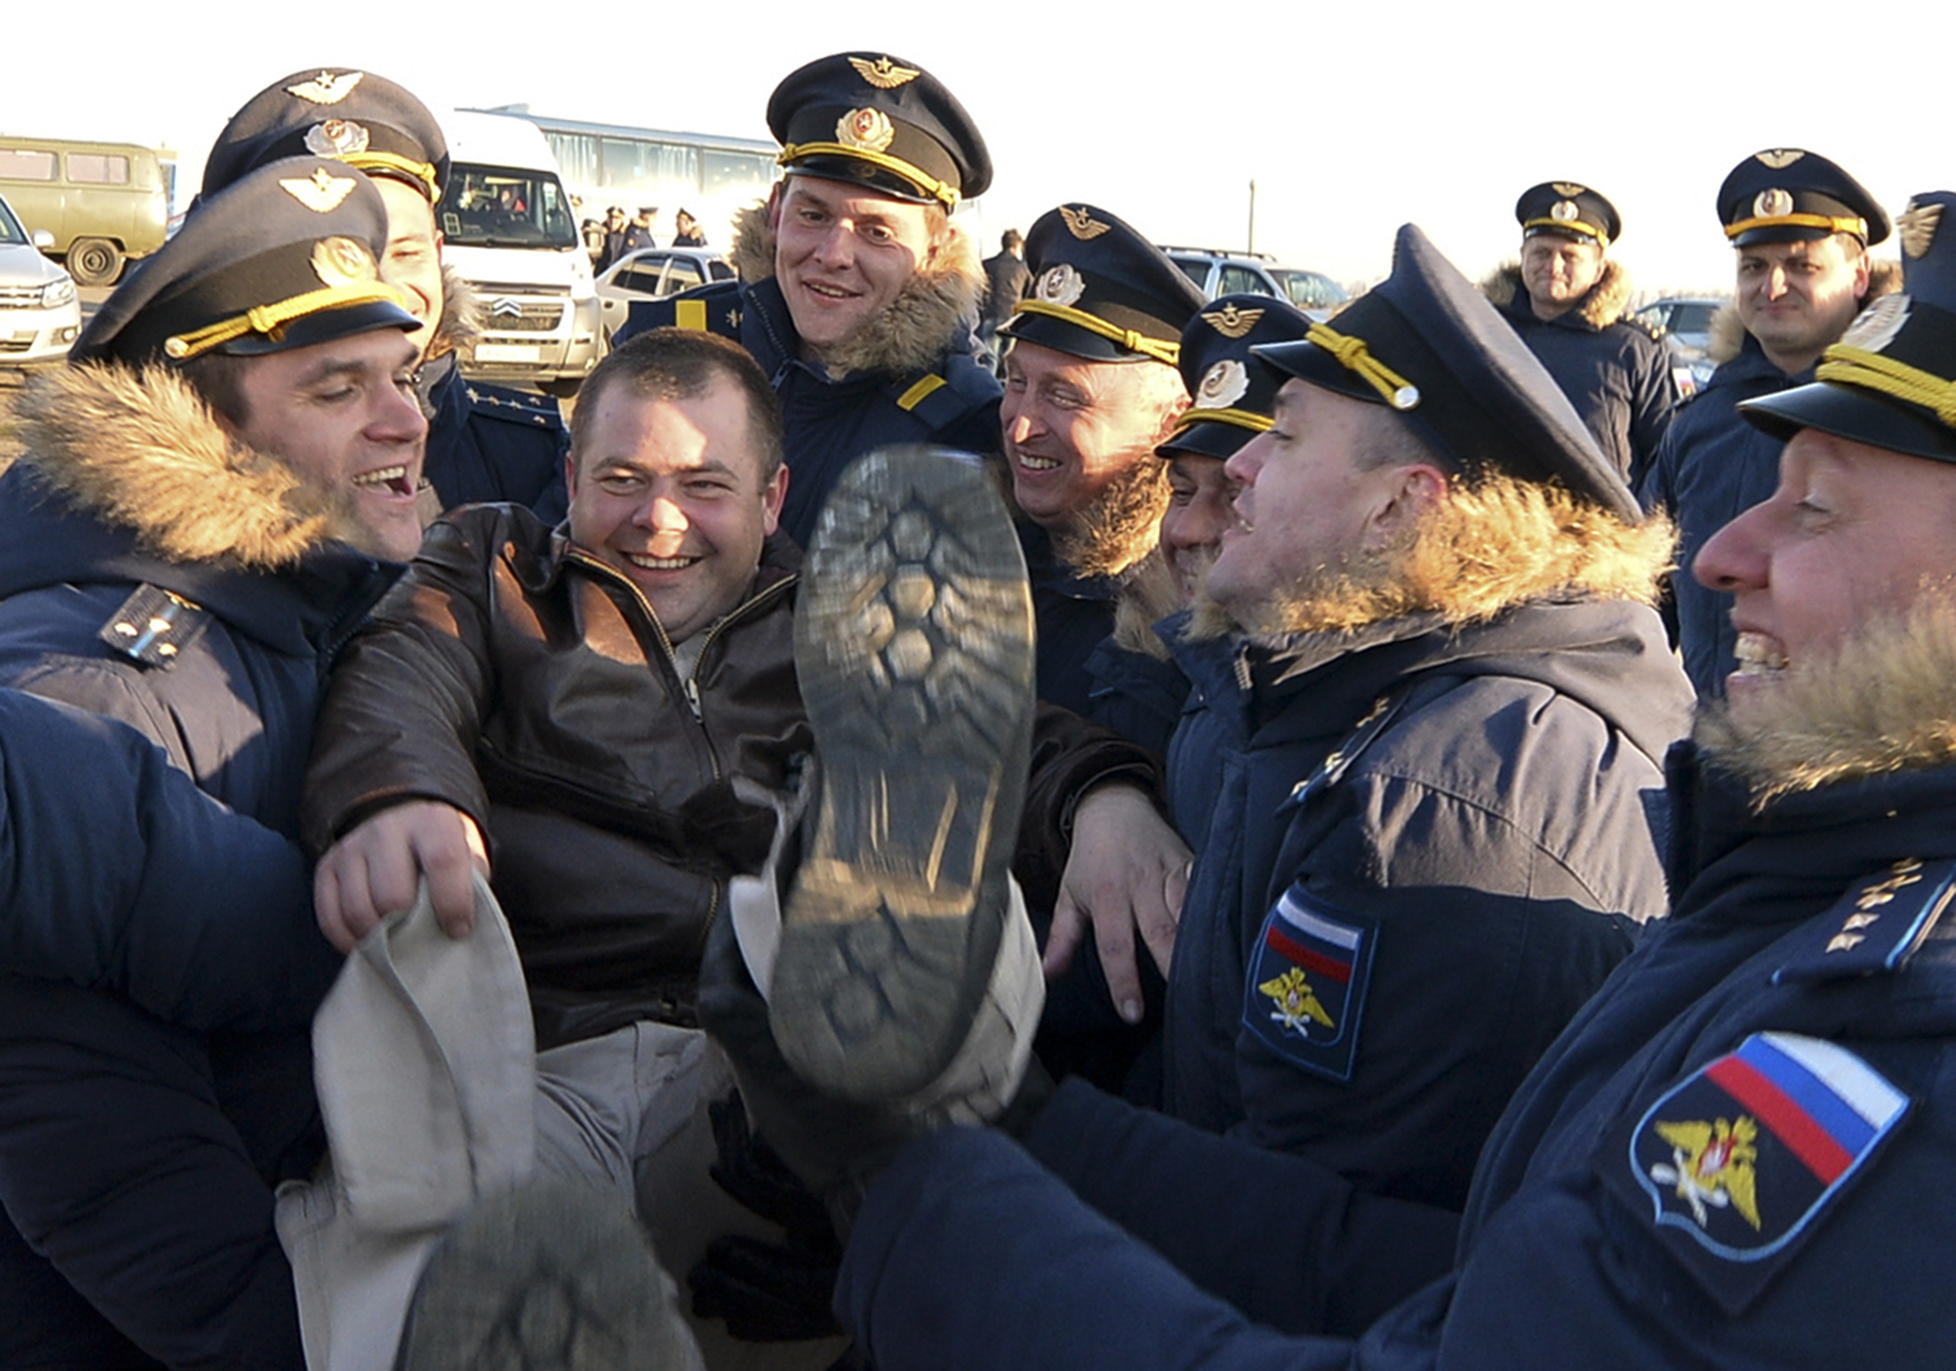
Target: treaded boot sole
{"x": 914, "y": 643}
{"x": 550, "y": 1276}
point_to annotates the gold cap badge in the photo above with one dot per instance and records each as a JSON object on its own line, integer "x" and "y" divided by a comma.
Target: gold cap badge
{"x": 1917, "y": 226}
{"x": 1779, "y": 159}
{"x": 342, "y": 261}
{"x": 319, "y": 192}
{"x": 1569, "y": 188}
{"x": 883, "y": 73}
{"x": 326, "y": 88}
{"x": 1772, "y": 204}
{"x": 340, "y": 138}
{"x": 1060, "y": 285}
{"x": 1222, "y": 385}
{"x": 1230, "y": 321}
{"x": 1081, "y": 224}
{"x": 868, "y": 129}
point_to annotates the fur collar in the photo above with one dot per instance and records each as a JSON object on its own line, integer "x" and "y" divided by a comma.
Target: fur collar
{"x": 1882, "y": 704}
{"x": 142, "y": 450}
{"x": 935, "y": 308}
{"x": 460, "y": 327}
{"x": 1607, "y": 301}
{"x": 1728, "y": 335}
{"x": 1500, "y": 543}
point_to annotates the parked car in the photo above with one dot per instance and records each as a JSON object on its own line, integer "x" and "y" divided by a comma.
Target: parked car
{"x": 1226, "y": 273}
{"x": 40, "y": 313}
{"x": 653, "y": 274}
{"x": 1685, "y": 322}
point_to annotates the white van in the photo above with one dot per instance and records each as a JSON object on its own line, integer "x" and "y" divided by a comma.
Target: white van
{"x": 510, "y": 232}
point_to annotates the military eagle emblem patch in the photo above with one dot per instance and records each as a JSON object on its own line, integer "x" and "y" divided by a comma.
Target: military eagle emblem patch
{"x": 1736, "y": 1163}
{"x": 1305, "y": 992}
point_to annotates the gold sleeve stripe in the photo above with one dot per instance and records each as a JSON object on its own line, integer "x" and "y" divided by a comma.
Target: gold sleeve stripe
{"x": 690, "y": 314}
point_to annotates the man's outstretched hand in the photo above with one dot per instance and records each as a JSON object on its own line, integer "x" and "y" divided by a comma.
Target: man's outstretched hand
{"x": 377, "y": 867}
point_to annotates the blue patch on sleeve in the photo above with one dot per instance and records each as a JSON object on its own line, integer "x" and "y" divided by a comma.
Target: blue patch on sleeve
{"x": 1304, "y": 995}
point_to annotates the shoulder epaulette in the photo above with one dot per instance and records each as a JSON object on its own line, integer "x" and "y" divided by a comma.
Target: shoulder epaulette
{"x": 1643, "y": 325}
{"x": 1341, "y": 757}
{"x": 514, "y": 406}
{"x": 711, "y": 308}
{"x": 939, "y": 398}
{"x": 1877, "y": 925}
{"x": 154, "y": 626}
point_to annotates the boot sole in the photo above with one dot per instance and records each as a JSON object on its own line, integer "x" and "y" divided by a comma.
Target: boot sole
{"x": 914, "y": 644}
{"x": 550, "y": 1276}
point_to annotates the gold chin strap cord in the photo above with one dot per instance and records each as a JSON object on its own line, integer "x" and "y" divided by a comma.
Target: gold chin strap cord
{"x": 1871, "y": 371}
{"x": 915, "y": 175}
{"x": 1157, "y": 348}
{"x": 1354, "y": 356}
{"x": 1241, "y": 418}
{"x": 1857, "y": 227}
{"x": 422, "y": 173}
{"x": 267, "y": 319}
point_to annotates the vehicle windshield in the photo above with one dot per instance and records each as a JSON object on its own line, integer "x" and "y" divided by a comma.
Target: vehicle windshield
{"x": 504, "y": 207}
{"x": 10, "y": 230}
{"x": 1693, "y": 318}
{"x": 1309, "y": 290}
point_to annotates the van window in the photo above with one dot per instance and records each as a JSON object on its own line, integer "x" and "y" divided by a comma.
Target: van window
{"x": 24, "y": 164}
{"x": 95, "y": 169}
{"x": 505, "y": 207}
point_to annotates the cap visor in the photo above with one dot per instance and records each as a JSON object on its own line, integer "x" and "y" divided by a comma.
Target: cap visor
{"x": 1854, "y": 414}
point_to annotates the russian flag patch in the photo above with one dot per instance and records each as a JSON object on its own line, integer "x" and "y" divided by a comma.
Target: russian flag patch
{"x": 1304, "y": 994}
{"x": 1736, "y": 1164}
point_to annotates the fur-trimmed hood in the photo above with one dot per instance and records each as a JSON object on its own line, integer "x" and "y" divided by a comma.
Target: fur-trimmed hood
{"x": 1728, "y": 335}
{"x": 1500, "y": 543}
{"x": 1607, "y": 301}
{"x": 933, "y": 312}
{"x": 1883, "y": 704}
{"x": 140, "y": 449}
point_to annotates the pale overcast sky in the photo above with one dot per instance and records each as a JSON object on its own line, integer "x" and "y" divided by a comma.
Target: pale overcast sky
{"x": 1352, "y": 118}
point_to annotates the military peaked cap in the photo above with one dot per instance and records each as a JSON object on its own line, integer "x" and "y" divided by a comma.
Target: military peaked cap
{"x": 875, "y": 121}
{"x": 285, "y": 258}
{"x": 1101, "y": 291}
{"x": 1568, "y": 209}
{"x": 1427, "y": 344}
{"x": 1231, "y": 398}
{"x": 1789, "y": 195}
{"x": 354, "y": 117}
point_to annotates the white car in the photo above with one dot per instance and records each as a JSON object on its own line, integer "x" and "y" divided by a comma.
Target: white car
{"x": 40, "y": 314}
{"x": 653, "y": 274}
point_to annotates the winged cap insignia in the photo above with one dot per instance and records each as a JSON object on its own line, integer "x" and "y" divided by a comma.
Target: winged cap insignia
{"x": 327, "y": 88}
{"x": 1779, "y": 159}
{"x": 1230, "y": 321}
{"x": 1569, "y": 188}
{"x": 1082, "y": 224}
{"x": 321, "y": 192}
{"x": 1917, "y": 225}
{"x": 883, "y": 73}
{"x": 340, "y": 138}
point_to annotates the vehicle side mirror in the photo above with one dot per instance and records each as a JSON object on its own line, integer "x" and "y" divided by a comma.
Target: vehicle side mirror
{"x": 44, "y": 240}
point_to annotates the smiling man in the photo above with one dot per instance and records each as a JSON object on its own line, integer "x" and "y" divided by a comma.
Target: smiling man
{"x": 485, "y": 442}
{"x": 1569, "y": 300}
{"x": 212, "y": 495}
{"x": 1801, "y": 228}
{"x": 858, "y": 290}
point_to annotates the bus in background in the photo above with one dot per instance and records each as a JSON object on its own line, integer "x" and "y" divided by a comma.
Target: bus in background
{"x": 103, "y": 202}
{"x": 508, "y": 229}
{"x": 608, "y": 164}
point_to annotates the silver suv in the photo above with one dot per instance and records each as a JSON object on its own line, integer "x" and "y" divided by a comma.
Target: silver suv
{"x": 39, "y": 311}
{"x": 1223, "y": 273}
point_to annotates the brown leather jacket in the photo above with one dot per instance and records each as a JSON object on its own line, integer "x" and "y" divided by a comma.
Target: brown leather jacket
{"x": 529, "y": 685}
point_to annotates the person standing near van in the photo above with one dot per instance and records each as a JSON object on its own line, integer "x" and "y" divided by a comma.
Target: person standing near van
{"x": 856, "y": 287}
{"x": 485, "y": 443}
{"x": 639, "y": 235}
